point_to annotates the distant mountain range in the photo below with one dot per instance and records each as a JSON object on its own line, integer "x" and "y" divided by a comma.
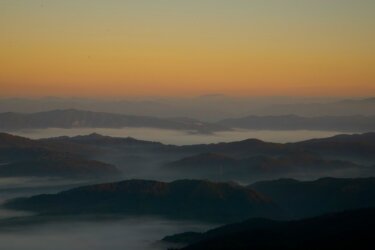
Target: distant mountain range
{"x": 184, "y": 199}
{"x": 72, "y": 118}
{"x": 336, "y": 231}
{"x": 207, "y": 108}
{"x": 314, "y": 108}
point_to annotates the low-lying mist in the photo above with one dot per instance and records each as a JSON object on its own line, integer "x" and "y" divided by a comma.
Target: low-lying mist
{"x": 176, "y": 137}
{"x": 78, "y": 232}
{"x": 134, "y": 233}
{"x": 26, "y": 186}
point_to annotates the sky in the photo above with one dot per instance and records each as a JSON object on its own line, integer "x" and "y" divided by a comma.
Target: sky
{"x": 110, "y": 48}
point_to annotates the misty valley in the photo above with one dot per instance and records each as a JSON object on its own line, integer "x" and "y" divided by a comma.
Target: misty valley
{"x": 100, "y": 191}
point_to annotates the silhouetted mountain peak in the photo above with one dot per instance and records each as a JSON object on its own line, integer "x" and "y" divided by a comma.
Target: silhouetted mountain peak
{"x": 95, "y": 135}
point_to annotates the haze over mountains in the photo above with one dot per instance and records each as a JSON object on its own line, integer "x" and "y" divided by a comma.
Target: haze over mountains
{"x": 202, "y": 115}
{"x": 209, "y": 108}
{"x": 71, "y": 118}
{"x": 87, "y": 119}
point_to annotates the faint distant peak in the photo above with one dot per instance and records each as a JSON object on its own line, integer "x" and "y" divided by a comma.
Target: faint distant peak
{"x": 213, "y": 96}
{"x": 369, "y": 100}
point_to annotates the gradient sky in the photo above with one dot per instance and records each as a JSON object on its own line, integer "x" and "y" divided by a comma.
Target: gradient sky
{"x": 187, "y": 47}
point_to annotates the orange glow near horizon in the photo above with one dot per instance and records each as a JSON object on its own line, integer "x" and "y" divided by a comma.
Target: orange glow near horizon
{"x": 112, "y": 48}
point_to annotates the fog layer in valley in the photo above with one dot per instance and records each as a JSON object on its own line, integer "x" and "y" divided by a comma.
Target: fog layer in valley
{"x": 79, "y": 233}
{"x": 135, "y": 233}
{"x": 181, "y": 137}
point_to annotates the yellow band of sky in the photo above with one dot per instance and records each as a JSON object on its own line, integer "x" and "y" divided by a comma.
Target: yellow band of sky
{"x": 177, "y": 48}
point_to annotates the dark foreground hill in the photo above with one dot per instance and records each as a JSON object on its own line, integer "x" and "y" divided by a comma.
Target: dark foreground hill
{"x": 345, "y": 230}
{"x": 311, "y": 198}
{"x": 185, "y": 199}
